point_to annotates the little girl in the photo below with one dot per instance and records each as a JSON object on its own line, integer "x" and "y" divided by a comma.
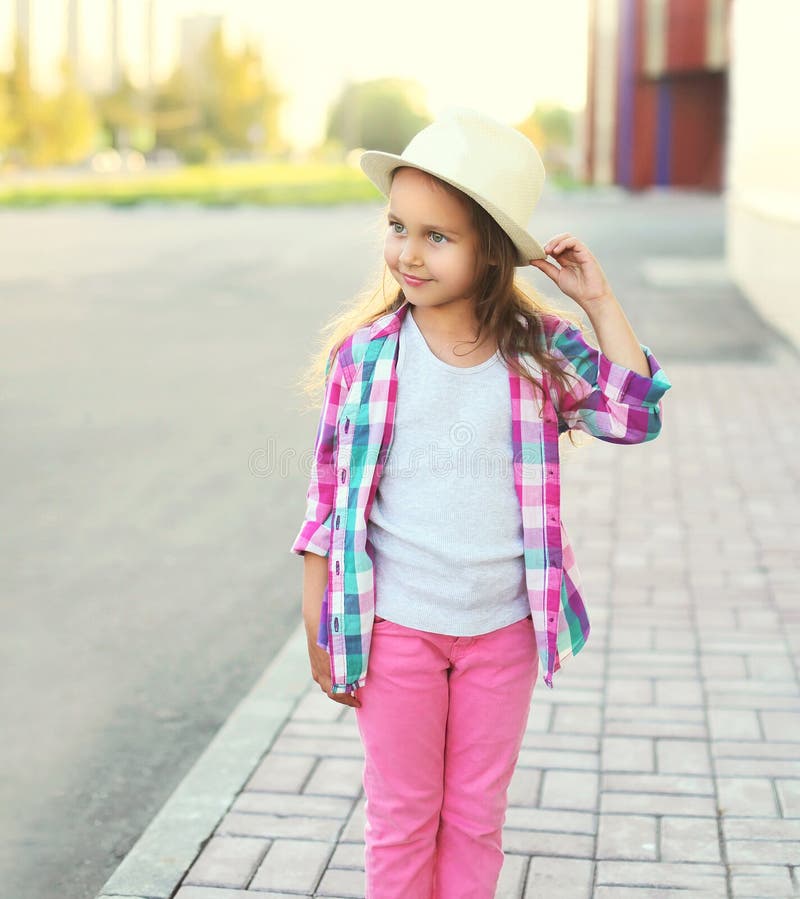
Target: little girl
{"x": 437, "y": 573}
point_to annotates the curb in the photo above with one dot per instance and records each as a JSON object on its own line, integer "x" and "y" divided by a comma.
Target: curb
{"x": 172, "y": 841}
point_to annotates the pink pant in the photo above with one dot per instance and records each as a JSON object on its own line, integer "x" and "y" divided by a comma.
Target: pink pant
{"x": 441, "y": 720}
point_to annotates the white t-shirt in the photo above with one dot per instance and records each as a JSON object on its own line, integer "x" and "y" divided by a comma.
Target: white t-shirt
{"x": 445, "y": 522}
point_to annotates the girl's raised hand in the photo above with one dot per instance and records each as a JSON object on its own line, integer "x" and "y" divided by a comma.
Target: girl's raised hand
{"x": 579, "y": 276}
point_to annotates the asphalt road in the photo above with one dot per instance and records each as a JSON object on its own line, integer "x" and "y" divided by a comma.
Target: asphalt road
{"x": 147, "y": 356}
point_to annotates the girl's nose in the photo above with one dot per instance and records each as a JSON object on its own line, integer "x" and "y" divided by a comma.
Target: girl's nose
{"x": 409, "y": 255}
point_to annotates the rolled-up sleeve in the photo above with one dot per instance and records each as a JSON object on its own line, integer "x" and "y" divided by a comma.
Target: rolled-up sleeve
{"x": 314, "y": 535}
{"x": 605, "y": 399}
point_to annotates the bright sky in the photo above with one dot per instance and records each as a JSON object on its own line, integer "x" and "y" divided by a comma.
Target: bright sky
{"x": 502, "y": 62}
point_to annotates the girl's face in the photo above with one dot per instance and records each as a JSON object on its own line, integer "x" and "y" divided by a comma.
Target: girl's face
{"x": 429, "y": 235}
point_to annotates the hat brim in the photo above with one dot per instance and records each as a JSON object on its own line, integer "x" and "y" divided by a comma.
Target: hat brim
{"x": 378, "y": 167}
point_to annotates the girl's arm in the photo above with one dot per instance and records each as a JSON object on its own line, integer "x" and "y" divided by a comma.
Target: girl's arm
{"x": 615, "y": 392}
{"x": 316, "y": 529}
{"x": 315, "y": 580}
{"x": 582, "y": 279}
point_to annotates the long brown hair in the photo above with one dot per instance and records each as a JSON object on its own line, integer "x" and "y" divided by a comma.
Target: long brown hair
{"x": 501, "y": 297}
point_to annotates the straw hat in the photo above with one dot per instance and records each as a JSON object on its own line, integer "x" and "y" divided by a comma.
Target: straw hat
{"x": 493, "y": 163}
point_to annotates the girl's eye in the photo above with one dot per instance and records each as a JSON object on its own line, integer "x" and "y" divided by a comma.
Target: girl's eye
{"x": 435, "y": 236}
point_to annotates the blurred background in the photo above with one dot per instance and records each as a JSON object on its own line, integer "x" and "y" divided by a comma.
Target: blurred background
{"x": 127, "y": 100}
{"x": 181, "y": 208}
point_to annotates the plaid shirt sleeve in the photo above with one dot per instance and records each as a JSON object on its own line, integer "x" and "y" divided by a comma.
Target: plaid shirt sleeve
{"x": 605, "y": 399}
{"x": 315, "y": 532}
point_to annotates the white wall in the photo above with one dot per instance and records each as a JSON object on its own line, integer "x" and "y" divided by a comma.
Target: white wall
{"x": 763, "y": 161}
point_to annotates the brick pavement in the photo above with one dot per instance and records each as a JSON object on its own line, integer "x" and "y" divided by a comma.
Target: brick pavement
{"x": 669, "y": 750}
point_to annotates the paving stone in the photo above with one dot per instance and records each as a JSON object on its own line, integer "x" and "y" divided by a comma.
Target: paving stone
{"x": 317, "y": 746}
{"x": 198, "y": 892}
{"x": 755, "y": 749}
{"x": 689, "y": 839}
{"x": 629, "y": 692}
{"x": 540, "y": 716}
{"x": 694, "y": 877}
{"x": 751, "y": 686}
{"x": 335, "y": 730}
{"x": 758, "y": 881}
{"x": 542, "y": 842}
{"x": 511, "y": 883}
{"x": 627, "y": 836}
{"x": 627, "y": 754}
{"x": 714, "y": 666}
{"x": 276, "y": 827}
{"x": 657, "y": 804}
{"x": 768, "y": 701}
{"x": 762, "y": 829}
{"x": 557, "y": 742}
{"x": 281, "y": 773}
{"x": 756, "y": 767}
{"x": 289, "y": 804}
{"x": 562, "y": 759}
{"x": 781, "y": 725}
{"x": 777, "y": 666}
{"x": 567, "y": 695}
{"x": 559, "y": 878}
{"x": 354, "y": 829}
{"x": 292, "y": 866}
{"x": 316, "y": 706}
{"x": 675, "y": 692}
{"x": 678, "y": 784}
{"x": 344, "y": 883}
{"x": 524, "y": 786}
{"x": 682, "y": 757}
{"x": 651, "y": 892}
{"x": 227, "y": 862}
{"x": 337, "y": 777}
{"x": 789, "y": 797}
{"x": 746, "y": 796}
{"x": 570, "y": 790}
{"x": 763, "y": 852}
{"x": 729, "y": 724}
{"x": 577, "y": 720}
{"x": 550, "y": 819}
{"x": 348, "y": 855}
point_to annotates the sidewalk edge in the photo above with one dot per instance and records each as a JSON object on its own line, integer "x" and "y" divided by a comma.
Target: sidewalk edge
{"x": 163, "y": 854}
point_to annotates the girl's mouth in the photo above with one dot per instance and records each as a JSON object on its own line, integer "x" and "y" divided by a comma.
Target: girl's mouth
{"x": 414, "y": 282}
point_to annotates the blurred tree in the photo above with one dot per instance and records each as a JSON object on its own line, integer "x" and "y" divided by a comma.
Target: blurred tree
{"x": 23, "y": 105}
{"x": 122, "y": 112}
{"x": 237, "y": 98}
{"x": 382, "y": 114}
{"x": 177, "y": 117}
{"x": 72, "y": 125}
{"x": 8, "y": 128}
{"x": 224, "y": 101}
{"x": 552, "y": 130}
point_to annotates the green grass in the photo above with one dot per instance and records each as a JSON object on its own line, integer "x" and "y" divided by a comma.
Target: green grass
{"x": 231, "y": 185}
{"x": 263, "y": 184}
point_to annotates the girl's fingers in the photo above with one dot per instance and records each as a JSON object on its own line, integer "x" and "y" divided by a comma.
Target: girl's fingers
{"x": 547, "y": 267}
{"x": 562, "y": 245}
{"x": 555, "y": 241}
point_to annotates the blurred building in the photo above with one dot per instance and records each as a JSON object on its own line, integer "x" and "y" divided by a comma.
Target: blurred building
{"x": 195, "y": 32}
{"x": 657, "y": 93}
{"x": 763, "y": 172}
